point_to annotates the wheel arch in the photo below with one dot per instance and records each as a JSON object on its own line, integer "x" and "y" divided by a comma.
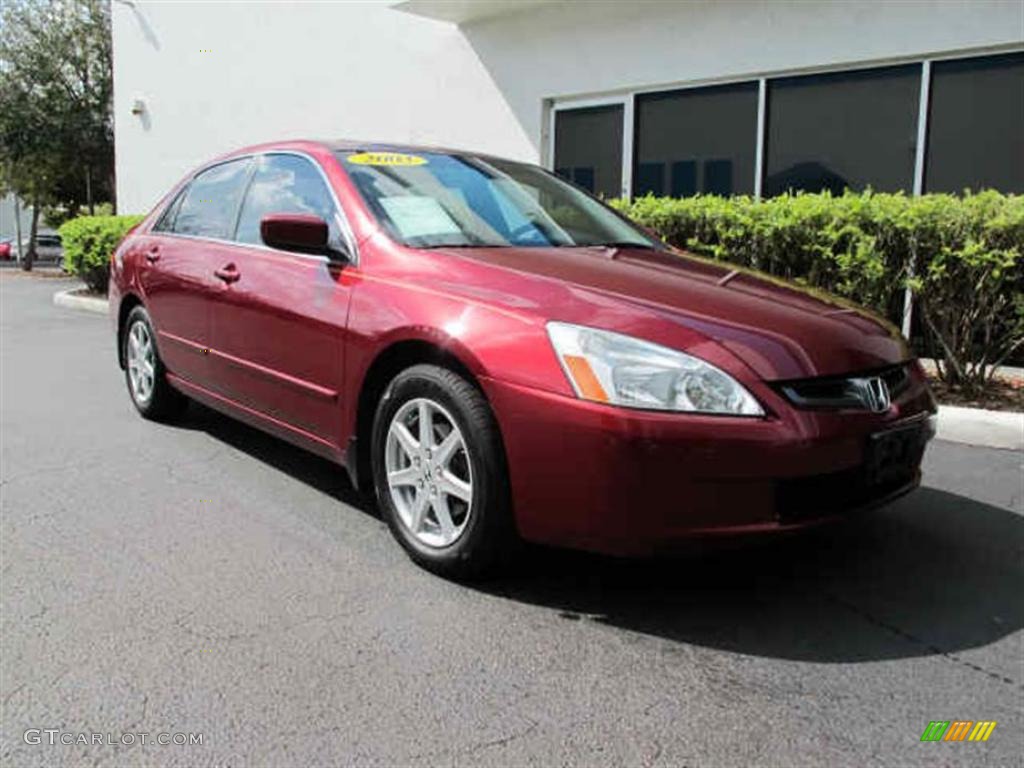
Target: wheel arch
{"x": 388, "y": 363}
{"x": 128, "y": 302}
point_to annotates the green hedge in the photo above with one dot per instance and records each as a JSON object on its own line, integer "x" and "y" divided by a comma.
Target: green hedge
{"x": 963, "y": 256}
{"x": 89, "y": 242}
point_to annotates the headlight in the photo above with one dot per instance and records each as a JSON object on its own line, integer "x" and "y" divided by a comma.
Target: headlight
{"x": 611, "y": 368}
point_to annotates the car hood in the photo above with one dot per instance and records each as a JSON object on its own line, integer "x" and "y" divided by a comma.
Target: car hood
{"x": 780, "y": 330}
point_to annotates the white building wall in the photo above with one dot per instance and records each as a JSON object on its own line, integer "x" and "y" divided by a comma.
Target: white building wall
{"x": 366, "y": 70}
{"x": 217, "y": 76}
{"x": 588, "y": 48}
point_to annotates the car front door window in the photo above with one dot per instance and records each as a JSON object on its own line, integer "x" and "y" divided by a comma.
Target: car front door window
{"x": 285, "y": 184}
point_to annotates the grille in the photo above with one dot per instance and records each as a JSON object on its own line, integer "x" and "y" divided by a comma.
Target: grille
{"x": 847, "y": 392}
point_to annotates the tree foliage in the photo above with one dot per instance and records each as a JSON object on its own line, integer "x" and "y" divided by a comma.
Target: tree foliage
{"x": 56, "y": 126}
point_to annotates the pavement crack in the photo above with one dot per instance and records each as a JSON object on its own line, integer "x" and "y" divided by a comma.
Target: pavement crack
{"x": 12, "y": 694}
{"x": 473, "y": 748}
{"x": 503, "y": 741}
{"x": 910, "y": 637}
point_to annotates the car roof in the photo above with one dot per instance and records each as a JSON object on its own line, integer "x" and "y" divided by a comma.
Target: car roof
{"x": 352, "y": 145}
{"x": 343, "y": 145}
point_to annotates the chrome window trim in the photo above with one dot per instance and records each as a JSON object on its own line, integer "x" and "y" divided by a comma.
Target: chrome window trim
{"x": 339, "y": 213}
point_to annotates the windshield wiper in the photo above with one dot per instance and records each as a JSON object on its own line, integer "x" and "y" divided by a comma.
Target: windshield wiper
{"x": 466, "y": 245}
{"x": 622, "y": 244}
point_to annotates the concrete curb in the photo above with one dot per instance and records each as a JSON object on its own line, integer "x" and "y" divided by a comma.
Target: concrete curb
{"x": 73, "y": 300}
{"x": 975, "y": 426}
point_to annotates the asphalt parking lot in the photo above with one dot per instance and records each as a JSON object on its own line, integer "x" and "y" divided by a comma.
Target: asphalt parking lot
{"x": 205, "y": 578}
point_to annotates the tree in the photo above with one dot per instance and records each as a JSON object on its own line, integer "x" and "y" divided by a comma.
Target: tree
{"x": 56, "y": 86}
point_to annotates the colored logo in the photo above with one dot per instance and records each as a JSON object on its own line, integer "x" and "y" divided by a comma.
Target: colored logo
{"x": 958, "y": 730}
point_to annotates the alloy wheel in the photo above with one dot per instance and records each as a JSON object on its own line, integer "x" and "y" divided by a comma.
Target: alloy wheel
{"x": 428, "y": 472}
{"x": 141, "y": 363}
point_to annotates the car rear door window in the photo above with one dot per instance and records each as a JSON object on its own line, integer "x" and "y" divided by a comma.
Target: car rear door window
{"x": 210, "y": 204}
{"x": 166, "y": 221}
{"x": 285, "y": 184}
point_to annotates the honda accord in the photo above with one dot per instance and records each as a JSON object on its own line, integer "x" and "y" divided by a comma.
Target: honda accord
{"x": 501, "y": 357}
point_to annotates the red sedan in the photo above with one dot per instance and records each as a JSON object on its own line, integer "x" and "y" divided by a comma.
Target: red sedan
{"x": 501, "y": 357}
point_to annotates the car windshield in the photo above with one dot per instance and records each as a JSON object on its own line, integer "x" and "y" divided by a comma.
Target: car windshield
{"x": 429, "y": 200}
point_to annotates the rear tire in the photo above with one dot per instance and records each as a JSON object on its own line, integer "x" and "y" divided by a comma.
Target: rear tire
{"x": 443, "y": 490}
{"x": 144, "y": 371}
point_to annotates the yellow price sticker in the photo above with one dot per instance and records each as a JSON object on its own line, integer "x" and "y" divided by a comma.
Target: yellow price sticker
{"x": 386, "y": 158}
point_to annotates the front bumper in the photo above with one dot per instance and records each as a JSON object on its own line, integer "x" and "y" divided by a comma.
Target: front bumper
{"x": 625, "y": 482}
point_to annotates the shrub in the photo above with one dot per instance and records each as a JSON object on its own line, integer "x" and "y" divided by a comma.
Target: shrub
{"x": 961, "y": 255}
{"x": 849, "y": 245}
{"x": 89, "y": 242}
{"x": 970, "y": 283}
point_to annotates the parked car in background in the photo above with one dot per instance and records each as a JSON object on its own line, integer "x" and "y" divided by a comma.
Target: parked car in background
{"x": 49, "y": 247}
{"x": 499, "y": 355}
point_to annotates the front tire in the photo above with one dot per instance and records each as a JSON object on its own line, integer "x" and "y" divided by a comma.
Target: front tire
{"x": 440, "y": 474}
{"x": 144, "y": 371}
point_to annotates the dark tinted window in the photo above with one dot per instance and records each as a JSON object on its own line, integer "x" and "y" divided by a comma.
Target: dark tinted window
{"x": 697, "y": 140}
{"x": 284, "y": 184}
{"x": 588, "y": 148}
{"x": 976, "y": 125}
{"x": 211, "y": 201}
{"x": 166, "y": 221}
{"x": 850, "y": 129}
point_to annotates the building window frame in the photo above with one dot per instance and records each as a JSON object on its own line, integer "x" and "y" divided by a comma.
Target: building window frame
{"x": 613, "y": 100}
{"x": 626, "y": 98}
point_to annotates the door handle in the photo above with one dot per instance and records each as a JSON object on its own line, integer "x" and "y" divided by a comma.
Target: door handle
{"x": 153, "y": 254}
{"x": 228, "y": 274}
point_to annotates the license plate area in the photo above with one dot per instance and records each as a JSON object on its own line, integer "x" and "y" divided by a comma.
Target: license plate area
{"x": 893, "y": 455}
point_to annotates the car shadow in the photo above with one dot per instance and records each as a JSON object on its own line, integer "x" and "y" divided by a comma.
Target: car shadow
{"x": 315, "y": 471}
{"x": 934, "y": 573}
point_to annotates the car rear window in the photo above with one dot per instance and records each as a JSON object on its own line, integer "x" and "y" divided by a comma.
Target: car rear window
{"x": 210, "y": 204}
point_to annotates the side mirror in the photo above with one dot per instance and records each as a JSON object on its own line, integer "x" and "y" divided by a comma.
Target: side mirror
{"x": 299, "y": 232}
